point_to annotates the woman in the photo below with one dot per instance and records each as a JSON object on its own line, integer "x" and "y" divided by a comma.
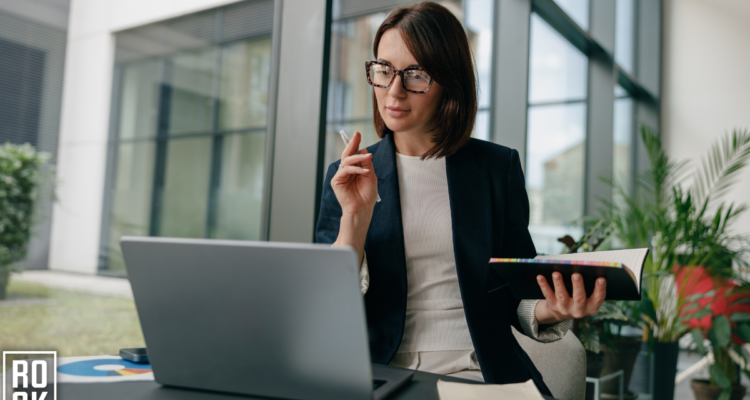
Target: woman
{"x": 449, "y": 204}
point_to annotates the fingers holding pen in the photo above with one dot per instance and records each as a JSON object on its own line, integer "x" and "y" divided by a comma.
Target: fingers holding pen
{"x": 353, "y": 147}
{"x": 357, "y": 159}
{"x": 354, "y": 170}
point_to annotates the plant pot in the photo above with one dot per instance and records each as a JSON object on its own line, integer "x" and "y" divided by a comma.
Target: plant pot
{"x": 704, "y": 391}
{"x": 665, "y": 369}
{"x": 621, "y": 357}
{"x": 594, "y": 365}
{"x": 640, "y": 379}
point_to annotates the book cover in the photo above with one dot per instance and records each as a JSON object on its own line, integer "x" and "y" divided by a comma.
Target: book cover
{"x": 622, "y": 269}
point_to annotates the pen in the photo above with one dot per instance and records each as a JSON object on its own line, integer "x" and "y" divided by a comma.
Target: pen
{"x": 346, "y": 143}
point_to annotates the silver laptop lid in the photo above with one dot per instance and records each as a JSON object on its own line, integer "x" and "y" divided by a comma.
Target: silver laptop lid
{"x": 259, "y": 318}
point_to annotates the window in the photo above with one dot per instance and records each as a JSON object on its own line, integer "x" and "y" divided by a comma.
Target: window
{"x": 189, "y": 142}
{"x": 574, "y": 141}
{"x": 625, "y": 34}
{"x": 623, "y": 134}
{"x": 555, "y": 156}
{"x": 578, "y": 10}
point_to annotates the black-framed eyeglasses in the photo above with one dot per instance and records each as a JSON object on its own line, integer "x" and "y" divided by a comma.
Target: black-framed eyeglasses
{"x": 413, "y": 79}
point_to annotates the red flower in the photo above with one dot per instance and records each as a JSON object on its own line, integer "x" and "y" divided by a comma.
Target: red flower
{"x": 692, "y": 280}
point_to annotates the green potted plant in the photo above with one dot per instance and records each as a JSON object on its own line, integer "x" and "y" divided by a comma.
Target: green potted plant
{"x": 682, "y": 227}
{"x": 20, "y": 175}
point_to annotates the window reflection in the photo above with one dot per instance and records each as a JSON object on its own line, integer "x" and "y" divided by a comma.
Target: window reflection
{"x": 555, "y": 161}
{"x": 622, "y": 153}
{"x": 184, "y": 200}
{"x": 578, "y": 10}
{"x": 243, "y": 98}
{"x": 191, "y": 145}
{"x": 191, "y": 101}
{"x": 140, "y": 96}
{"x": 556, "y": 137}
{"x": 130, "y": 214}
{"x": 557, "y": 69}
{"x": 240, "y": 192}
{"x": 624, "y": 35}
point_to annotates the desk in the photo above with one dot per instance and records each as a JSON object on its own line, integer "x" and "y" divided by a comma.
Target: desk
{"x": 422, "y": 387}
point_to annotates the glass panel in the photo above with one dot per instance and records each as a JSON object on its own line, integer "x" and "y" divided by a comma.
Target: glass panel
{"x": 240, "y": 193}
{"x": 482, "y": 126}
{"x": 245, "y": 71}
{"x": 623, "y": 141}
{"x": 624, "y": 26}
{"x": 191, "y": 102}
{"x": 478, "y": 24}
{"x": 350, "y": 97}
{"x": 557, "y": 69}
{"x": 140, "y": 98}
{"x": 578, "y": 10}
{"x": 131, "y": 198}
{"x": 620, "y": 91}
{"x": 185, "y": 193}
{"x": 555, "y": 162}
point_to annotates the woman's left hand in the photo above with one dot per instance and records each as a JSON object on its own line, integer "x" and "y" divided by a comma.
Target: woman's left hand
{"x": 559, "y": 306}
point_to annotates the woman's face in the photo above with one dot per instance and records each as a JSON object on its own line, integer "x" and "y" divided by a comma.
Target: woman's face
{"x": 403, "y": 111}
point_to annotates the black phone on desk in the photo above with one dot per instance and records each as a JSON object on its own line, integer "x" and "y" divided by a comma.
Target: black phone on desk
{"x": 139, "y": 355}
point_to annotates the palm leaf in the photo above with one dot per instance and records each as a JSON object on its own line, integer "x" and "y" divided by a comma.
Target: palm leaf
{"x": 719, "y": 169}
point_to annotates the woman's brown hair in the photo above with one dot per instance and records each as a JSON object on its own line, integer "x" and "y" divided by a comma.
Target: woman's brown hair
{"x": 438, "y": 42}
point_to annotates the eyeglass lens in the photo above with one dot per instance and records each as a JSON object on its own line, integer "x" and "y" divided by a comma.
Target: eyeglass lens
{"x": 416, "y": 80}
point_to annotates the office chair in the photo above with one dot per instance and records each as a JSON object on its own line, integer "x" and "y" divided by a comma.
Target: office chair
{"x": 562, "y": 364}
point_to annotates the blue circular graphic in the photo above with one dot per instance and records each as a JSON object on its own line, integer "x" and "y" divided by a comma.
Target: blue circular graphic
{"x": 86, "y": 368}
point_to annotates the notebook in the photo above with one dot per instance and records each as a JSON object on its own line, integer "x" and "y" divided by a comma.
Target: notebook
{"x": 623, "y": 270}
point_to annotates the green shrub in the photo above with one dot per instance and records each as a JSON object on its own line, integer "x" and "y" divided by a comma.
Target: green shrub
{"x": 20, "y": 175}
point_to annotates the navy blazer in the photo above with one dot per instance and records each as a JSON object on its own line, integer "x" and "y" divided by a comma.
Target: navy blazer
{"x": 489, "y": 213}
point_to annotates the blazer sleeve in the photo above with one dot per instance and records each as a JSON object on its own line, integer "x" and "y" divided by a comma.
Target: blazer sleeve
{"x": 329, "y": 217}
{"x": 517, "y": 241}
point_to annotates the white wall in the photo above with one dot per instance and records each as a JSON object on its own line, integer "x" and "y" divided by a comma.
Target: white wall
{"x": 76, "y": 218}
{"x": 706, "y": 80}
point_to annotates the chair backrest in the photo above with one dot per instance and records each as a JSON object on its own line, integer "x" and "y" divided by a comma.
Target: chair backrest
{"x": 561, "y": 363}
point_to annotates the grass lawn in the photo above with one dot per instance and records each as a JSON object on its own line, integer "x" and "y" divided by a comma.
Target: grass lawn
{"x": 73, "y": 323}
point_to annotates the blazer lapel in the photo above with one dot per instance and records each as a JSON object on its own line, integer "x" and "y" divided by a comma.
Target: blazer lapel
{"x": 471, "y": 215}
{"x": 386, "y": 297}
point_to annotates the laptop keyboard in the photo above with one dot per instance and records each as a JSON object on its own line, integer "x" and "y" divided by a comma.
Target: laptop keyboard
{"x": 376, "y": 383}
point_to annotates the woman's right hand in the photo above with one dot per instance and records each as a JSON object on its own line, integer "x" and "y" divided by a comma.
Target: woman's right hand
{"x": 356, "y": 188}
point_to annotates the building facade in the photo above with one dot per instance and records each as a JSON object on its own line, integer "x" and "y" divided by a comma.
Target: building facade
{"x": 217, "y": 119}
{"x": 32, "y": 62}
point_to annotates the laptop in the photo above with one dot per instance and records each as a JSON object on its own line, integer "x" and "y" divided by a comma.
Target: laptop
{"x": 255, "y": 318}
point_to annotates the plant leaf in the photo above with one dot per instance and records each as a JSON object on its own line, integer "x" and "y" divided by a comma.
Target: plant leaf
{"x": 722, "y": 165}
{"x": 647, "y": 307}
{"x": 698, "y": 339}
{"x": 718, "y": 375}
{"x": 720, "y": 333}
{"x": 740, "y": 317}
{"x": 725, "y": 394}
{"x": 744, "y": 332}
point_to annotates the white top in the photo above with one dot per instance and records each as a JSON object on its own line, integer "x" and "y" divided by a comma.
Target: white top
{"x": 435, "y": 319}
